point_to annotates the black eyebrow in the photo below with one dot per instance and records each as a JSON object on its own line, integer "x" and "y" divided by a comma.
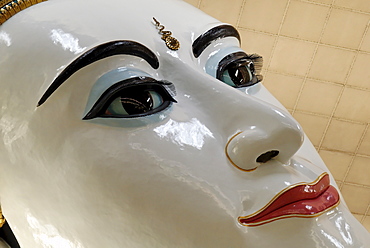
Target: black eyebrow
{"x": 204, "y": 40}
{"x": 100, "y": 52}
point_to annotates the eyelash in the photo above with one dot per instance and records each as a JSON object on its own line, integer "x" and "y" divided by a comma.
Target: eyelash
{"x": 240, "y": 70}
{"x": 136, "y": 97}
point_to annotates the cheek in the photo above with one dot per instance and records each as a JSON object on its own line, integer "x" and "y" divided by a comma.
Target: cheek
{"x": 109, "y": 150}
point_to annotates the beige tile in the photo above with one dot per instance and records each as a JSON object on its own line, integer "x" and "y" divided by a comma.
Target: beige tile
{"x": 343, "y": 136}
{"x": 366, "y": 42}
{"x": 360, "y": 74}
{"x": 366, "y": 223}
{"x": 331, "y": 64}
{"x": 322, "y": 1}
{"x": 345, "y": 28}
{"x": 263, "y": 15}
{"x": 354, "y": 105}
{"x": 193, "y": 2}
{"x": 259, "y": 43}
{"x": 299, "y": 23}
{"x": 362, "y": 5}
{"x": 337, "y": 163}
{"x": 225, "y": 11}
{"x": 365, "y": 145}
{"x": 319, "y": 97}
{"x": 339, "y": 183}
{"x": 313, "y": 126}
{"x": 352, "y": 195}
{"x": 284, "y": 88}
{"x": 292, "y": 56}
{"x": 358, "y": 217}
{"x": 359, "y": 172}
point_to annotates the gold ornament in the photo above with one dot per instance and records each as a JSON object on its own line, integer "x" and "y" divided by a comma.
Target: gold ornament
{"x": 2, "y": 219}
{"x": 171, "y": 42}
{"x": 9, "y": 8}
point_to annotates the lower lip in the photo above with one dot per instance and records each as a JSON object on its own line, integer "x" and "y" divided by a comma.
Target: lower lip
{"x": 308, "y": 208}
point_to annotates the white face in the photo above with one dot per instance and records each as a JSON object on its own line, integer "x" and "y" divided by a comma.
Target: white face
{"x": 137, "y": 145}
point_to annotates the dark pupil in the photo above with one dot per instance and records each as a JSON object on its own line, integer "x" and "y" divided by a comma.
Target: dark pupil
{"x": 136, "y": 101}
{"x": 239, "y": 74}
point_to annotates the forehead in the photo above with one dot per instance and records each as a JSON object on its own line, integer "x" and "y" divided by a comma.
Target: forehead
{"x": 94, "y": 22}
{"x": 45, "y": 38}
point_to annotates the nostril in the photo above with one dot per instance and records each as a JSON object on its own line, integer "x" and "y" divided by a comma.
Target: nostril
{"x": 263, "y": 158}
{"x": 249, "y": 149}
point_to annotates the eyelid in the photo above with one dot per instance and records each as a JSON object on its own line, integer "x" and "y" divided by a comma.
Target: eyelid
{"x": 231, "y": 58}
{"x": 215, "y": 58}
{"x": 106, "y": 97}
{"x": 110, "y": 78}
{"x": 238, "y": 59}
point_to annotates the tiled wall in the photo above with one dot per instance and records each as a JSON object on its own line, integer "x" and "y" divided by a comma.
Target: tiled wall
{"x": 317, "y": 63}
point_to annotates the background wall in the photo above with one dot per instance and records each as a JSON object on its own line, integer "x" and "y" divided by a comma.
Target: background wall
{"x": 317, "y": 63}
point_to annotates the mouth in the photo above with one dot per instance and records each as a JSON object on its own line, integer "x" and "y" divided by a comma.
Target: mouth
{"x": 301, "y": 200}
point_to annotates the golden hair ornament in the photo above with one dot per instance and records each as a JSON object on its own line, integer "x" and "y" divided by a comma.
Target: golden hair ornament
{"x": 2, "y": 219}
{"x": 171, "y": 42}
{"x": 9, "y": 8}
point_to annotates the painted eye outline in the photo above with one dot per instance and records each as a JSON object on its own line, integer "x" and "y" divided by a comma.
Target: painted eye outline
{"x": 165, "y": 89}
{"x": 252, "y": 63}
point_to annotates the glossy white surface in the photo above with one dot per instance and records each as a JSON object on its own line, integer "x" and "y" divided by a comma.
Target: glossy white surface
{"x": 158, "y": 181}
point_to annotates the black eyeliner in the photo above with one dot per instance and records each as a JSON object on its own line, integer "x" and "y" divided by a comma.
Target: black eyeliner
{"x": 106, "y": 98}
{"x": 235, "y": 58}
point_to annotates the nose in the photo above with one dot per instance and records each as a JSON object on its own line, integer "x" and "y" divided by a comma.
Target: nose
{"x": 255, "y": 131}
{"x": 256, "y": 145}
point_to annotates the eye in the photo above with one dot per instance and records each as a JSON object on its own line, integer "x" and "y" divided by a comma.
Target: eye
{"x": 134, "y": 97}
{"x": 238, "y": 74}
{"x": 240, "y": 70}
{"x": 134, "y": 101}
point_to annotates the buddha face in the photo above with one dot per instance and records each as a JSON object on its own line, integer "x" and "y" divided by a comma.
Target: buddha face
{"x": 116, "y": 133}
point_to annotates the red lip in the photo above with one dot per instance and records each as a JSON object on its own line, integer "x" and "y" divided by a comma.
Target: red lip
{"x": 303, "y": 200}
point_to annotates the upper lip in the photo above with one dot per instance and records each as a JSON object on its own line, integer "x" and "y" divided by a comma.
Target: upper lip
{"x": 300, "y": 200}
